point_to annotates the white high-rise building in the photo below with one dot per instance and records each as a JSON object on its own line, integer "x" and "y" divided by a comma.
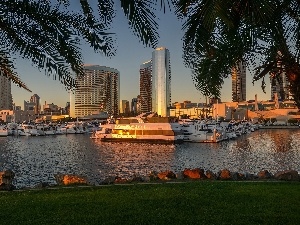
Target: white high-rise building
{"x": 98, "y": 91}
{"x": 5, "y": 93}
{"x": 161, "y": 81}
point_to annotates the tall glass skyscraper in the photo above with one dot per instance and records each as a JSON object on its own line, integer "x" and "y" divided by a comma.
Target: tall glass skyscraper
{"x": 161, "y": 81}
{"x": 146, "y": 87}
{"x": 238, "y": 75}
{"x": 97, "y": 91}
{"x": 280, "y": 84}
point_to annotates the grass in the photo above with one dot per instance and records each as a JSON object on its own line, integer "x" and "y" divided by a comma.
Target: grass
{"x": 214, "y": 202}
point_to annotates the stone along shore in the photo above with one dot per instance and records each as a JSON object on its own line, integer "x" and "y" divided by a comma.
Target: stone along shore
{"x": 7, "y": 177}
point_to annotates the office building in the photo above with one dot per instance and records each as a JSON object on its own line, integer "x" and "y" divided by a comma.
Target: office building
{"x": 161, "y": 81}
{"x": 134, "y": 106}
{"x": 138, "y": 106}
{"x": 238, "y": 75}
{"x": 50, "y": 108}
{"x": 67, "y": 108}
{"x": 125, "y": 108}
{"x": 279, "y": 85}
{"x": 146, "y": 87}
{"x": 29, "y": 106}
{"x": 155, "y": 83}
{"x": 5, "y": 93}
{"x": 97, "y": 91}
{"x": 36, "y": 100}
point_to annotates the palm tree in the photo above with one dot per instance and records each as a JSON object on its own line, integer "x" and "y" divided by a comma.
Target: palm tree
{"x": 48, "y": 34}
{"x": 220, "y": 33}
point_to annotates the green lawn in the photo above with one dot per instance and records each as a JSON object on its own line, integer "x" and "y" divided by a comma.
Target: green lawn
{"x": 205, "y": 202}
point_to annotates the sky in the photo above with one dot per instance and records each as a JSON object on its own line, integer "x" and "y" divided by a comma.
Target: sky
{"x": 130, "y": 55}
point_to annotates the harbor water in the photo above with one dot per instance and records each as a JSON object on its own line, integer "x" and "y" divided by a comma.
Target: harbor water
{"x": 36, "y": 160}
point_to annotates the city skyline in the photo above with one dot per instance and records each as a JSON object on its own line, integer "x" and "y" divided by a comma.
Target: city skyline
{"x": 130, "y": 55}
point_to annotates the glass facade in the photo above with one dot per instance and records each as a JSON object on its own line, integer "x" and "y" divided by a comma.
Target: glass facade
{"x": 36, "y": 99}
{"x": 161, "y": 81}
{"x": 279, "y": 86}
{"x": 238, "y": 75}
{"x": 146, "y": 87}
{"x": 97, "y": 91}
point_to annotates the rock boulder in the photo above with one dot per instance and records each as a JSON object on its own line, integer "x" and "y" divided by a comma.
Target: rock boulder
{"x": 70, "y": 179}
{"x": 237, "y": 176}
{"x": 289, "y": 175}
{"x": 108, "y": 180}
{"x": 194, "y": 173}
{"x": 264, "y": 174}
{"x": 224, "y": 175}
{"x": 6, "y": 179}
{"x": 210, "y": 175}
{"x": 166, "y": 175}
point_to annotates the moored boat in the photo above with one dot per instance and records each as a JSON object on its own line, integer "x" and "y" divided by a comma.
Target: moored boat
{"x": 203, "y": 131}
{"x": 29, "y": 129}
{"x": 44, "y": 129}
{"x": 58, "y": 130}
{"x": 136, "y": 130}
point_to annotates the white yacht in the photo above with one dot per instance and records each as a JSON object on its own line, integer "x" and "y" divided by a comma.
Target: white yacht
{"x": 58, "y": 130}
{"x": 91, "y": 128}
{"x": 201, "y": 131}
{"x": 44, "y": 129}
{"x": 68, "y": 129}
{"x": 136, "y": 130}
{"x": 21, "y": 132}
{"x": 79, "y": 129}
{"x": 29, "y": 129}
{"x": 15, "y": 129}
{"x": 72, "y": 128}
{"x": 230, "y": 132}
{"x": 230, "y": 129}
{"x": 12, "y": 129}
{"x": 219, "y": 129}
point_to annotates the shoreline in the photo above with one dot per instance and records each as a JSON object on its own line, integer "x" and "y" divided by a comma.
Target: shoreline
{"x": 279, "y": 127}
{"x": 7, "y": 178}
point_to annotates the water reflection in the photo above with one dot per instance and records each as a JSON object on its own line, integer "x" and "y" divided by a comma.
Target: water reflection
{"x": 37, "y": 159}
{"x": 128, "y": 159}
{"x": 267, "y": 149}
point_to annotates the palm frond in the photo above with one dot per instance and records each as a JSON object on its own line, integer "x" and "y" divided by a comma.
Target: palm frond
{"x": 142, "y": 20}
{"x": 220, "y": 33}
{"x": 106, "y": 11}
{"x": 6, "y": 69}
{"x": 50, "y": 38}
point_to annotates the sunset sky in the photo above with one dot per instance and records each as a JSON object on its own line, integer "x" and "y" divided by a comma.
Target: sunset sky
{"x": 130, "y": 55}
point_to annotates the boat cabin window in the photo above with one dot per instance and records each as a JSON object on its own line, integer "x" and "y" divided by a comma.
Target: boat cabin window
{"x": 143, "y": 132}
{"x": 159, "y": 132}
